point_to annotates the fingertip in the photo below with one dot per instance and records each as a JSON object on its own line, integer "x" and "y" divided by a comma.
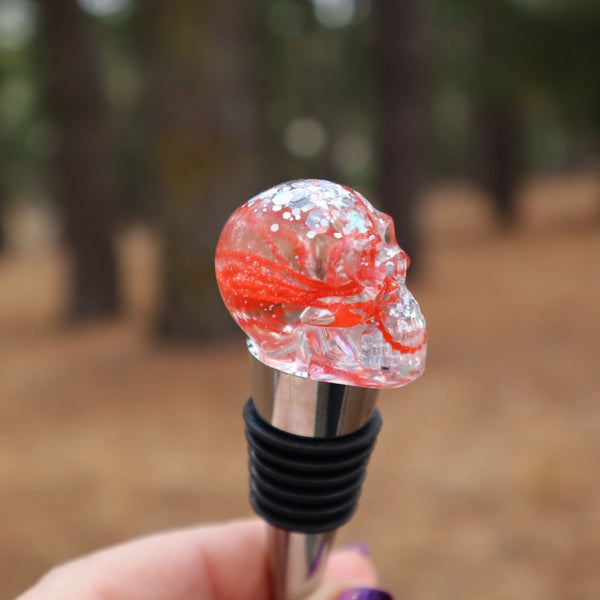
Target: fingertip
{"x": 353, "y": 564}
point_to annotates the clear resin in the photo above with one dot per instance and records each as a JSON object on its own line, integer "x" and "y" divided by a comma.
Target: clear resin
{"x": 314, "y": 276}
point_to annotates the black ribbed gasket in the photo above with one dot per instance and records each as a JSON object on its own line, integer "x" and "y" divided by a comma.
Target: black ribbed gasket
{"x": 306, "y": 484}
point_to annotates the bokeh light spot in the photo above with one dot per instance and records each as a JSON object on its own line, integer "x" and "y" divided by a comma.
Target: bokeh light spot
{"x": 105, "y": 8}
{"x": 305, "y": 137}
{"x": 334, "y": 13}
{"x": 353, "y": 153}
{"x": 17, "y": 23}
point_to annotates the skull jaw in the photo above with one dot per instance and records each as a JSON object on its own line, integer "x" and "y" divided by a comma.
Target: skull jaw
{"x": 358, "y": 356}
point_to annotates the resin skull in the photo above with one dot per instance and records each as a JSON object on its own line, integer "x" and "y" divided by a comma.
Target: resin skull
{"x": 314, "y": 276}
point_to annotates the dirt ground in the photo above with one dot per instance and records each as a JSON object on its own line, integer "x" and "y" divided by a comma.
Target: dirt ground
{"x": 485, "y": 483}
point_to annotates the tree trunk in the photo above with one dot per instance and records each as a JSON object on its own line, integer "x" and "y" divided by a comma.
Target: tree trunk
{"x": 2, "y": 234}
{"x": 497, "y": 125}
{"x": 3, "y": 198}
{"x": 2, "y": 208}
{"x": 206, "y": 145}
{"x": 84, "y": 175}
{"x": 402, "y": 63}
{"x": 498, "y": 134}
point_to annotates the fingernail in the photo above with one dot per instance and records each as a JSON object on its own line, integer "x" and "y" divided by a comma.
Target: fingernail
{"x": 364, "y": 594}
{"x": 360, "y": 548}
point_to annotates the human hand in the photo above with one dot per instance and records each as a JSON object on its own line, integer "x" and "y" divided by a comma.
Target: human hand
{"x": 214, "y": 562}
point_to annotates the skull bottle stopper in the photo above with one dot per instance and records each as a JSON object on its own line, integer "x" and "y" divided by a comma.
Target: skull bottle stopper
{"x": 312, "y": 273}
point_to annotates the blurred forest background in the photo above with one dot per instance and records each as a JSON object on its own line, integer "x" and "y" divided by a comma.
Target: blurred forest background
{"x": 131, "y": 129}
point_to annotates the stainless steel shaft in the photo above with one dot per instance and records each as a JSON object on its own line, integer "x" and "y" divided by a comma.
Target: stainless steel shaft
{"x": 307, "y": 408}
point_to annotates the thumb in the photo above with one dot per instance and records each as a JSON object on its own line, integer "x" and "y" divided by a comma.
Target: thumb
{"x": 348, "y": 590}
{"x": 350, "y": 575}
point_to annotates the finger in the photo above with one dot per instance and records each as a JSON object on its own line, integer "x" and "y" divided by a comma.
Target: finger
{"x": 351, "y": 564}
{"x": 346, "y": 570}
{"x": 212, "y": 563}
{"x": 341, "y": 592}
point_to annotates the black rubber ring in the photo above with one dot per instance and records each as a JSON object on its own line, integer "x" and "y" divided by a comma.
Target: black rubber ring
{"x": 304, "y": 512}
{"x": 304, "y": 484}
{"x": 308, "y": 495}
{"x": 303, "y": 480}
{"x": 352, "y": 442}
{"x": 314, "y": 463}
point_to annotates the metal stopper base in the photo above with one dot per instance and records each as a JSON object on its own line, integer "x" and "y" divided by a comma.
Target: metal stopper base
{"x": 310, "y": 409}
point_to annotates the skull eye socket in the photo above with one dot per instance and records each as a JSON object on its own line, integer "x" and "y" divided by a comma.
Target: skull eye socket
{"x": 388, "y": 237}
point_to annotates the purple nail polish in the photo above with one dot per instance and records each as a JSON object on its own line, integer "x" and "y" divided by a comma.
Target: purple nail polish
{"x": 364, "y": 594}
{"x": 360, "y": 548}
